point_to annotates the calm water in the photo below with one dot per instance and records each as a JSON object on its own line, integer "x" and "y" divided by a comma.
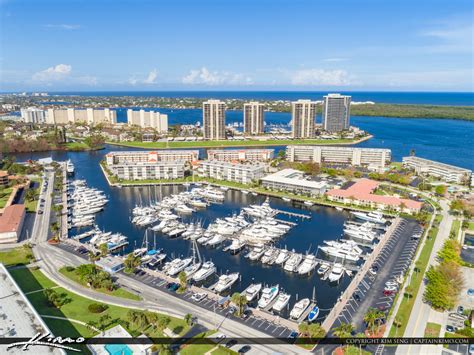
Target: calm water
{"x": 433, "y": 98}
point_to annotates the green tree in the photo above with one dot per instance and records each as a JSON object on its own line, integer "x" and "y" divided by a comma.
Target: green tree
{"x": 440, "y": 190}
{"x": 182, "y": 281}
{"x": 188, "y": 318}
{"x": 240, "y": 301}
{"x": 56, "y": 299}
{"x": 344, "y": 330}
{"x": 137, "y": 318}
{"x": 103, "y": 249}
{"x": 131, "y": 263}
{"x": 372, "y": 319}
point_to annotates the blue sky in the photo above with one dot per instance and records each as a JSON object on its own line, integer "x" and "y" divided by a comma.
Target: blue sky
{"x": 245, "y": 45}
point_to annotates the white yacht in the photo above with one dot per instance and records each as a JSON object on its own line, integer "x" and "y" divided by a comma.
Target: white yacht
{"x": 293, "y": 262}
{"x": 336, "y": 272}
{"x": 323, "y": 269}
{"x": 281, "y": 302}
{"x": 236, "y": 246}
{"x": 299, "y": 308}
{"x": 268, "y": 295}
{"x": 252, "y": 292}
{"x": 269, "y": 256}
{"x": 375, "y": 217}
{"x": 256, "y": 253}
{"x": 178, "y": 266}
{"x": 70, "y": 167}
{"x": 308, "y": 265}
{"x": 226, "y": 281}
{"x": 282, "y": 257}
{"x": 191, "y": 269}
{"x": 207, "y": 269}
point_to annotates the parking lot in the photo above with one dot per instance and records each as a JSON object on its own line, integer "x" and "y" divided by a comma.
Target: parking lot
{"x": 271, "y": 328}
{"x": 393, "y": 260}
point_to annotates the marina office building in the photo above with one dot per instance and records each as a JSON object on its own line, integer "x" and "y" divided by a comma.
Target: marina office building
{"x": 293, "y": 181}
{"x": 241, "y": 154}
{"x": 373, "y": 158}
{"x": 33, "y": 115}
{"x": 336, "y": 112}
{"x": 148, "y": 119}
{"x": 253, "y": 118}
{"x": 90, "y": 116}
{"x": 449, "y": 173}
{"x": 154, "y": 156}
{"x": 213, "y": 119}
{"x": 241, "y": 173}
{"x": 303, "y": 115}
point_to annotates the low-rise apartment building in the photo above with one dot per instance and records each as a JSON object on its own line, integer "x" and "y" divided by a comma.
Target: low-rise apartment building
{"x": 237, "y": 172}
{"x": 449, "y": 173}
{"x": 371, "y": 157}
{"x": 11, "y": 223}
{"x": 293, "y": 181}
{"x": 254, "y": 155}
{"x": 130, "y": 157}
{"x": 149, "y": 170}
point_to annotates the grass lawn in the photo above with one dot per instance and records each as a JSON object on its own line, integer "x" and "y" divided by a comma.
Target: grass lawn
{"x": 432, "y": 330}
{"x": 199, "y": 349}
{"x": 455, "y": 228}
{"x": 4, "y": 196}
{"x": 31, "y": 279}
{"x": 77, "y": 308}
{"x": 77, "y": 146}
{"x": 471, "y": 226}
{"x": 229, "y": 143}
{"x": 407, "y": 303}
{"x": 119, "y": 292}
{"x": 17, "y": 256}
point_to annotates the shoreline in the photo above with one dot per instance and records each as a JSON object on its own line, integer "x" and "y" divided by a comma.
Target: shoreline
{"x": 229, "y": 144}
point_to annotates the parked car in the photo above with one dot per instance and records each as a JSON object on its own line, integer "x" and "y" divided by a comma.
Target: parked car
{"x": 172, "y": 286}
{"x": 244, "y": 349}
{"x": 219, "y": 337}
{"x": 292, "y": 337}
{"x": 470, "y": 292}
{"x": 230, "y": 343}
{"x": 460, "y": 310}
{"x": 231, "y": 311}
{"x": 245, "y": 314}
{"x": 372, "y": 271}
{"x": 198, "y": 296}
{"x": 357, "y": 297}
{"x": 450, "y": 328}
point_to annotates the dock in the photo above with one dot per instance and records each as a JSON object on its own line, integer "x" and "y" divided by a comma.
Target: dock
{"x": 305, "y": 313}
{"x": 118, "y": 246}
{"x": 292, "y": 214}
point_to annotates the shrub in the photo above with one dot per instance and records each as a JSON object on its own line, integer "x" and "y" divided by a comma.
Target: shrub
{"x": 70, "y": 268}
{"x": 97, "y": 307}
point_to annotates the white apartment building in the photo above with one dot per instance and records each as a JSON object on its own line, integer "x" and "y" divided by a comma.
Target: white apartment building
{"x": 90, "y": 116}
{"x": 33, "y": 115}
{"x": 213, "y": 119}
{"x": 241, "y": 173}
{"x": 303, "y": 115}
{"x": 135, "y": 157}
{"x": 449, "y": 173}
{"x": 293, "y": 181}
{"x": 144, "y": 119}
{"x": 253, "y": 118}
{"x": 149, "y": 170}
{"x": 336, "y": 112}
{"x": 370, "y": 157}
{"x": 253, "y": 155}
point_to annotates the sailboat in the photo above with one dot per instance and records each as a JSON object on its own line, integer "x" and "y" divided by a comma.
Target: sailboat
{"x": 196, "y": 264}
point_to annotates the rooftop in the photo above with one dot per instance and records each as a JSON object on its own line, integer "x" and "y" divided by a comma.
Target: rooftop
{"x": 292, "y": 176}
{"x": 433, "y": 162}
{"x": 12, "y": 217}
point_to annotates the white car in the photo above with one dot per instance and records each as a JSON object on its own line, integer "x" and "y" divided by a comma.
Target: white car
{"x": 198, "y": 296}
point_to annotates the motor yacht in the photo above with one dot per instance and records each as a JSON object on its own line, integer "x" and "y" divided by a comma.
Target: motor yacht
{"x": 336, "y": 272}
{"x": 256, "y": 253}
{"x": 282, "y": 257}
{"x": 323, "y": 269}
{"x": 299, "y": 308}
{"x": 375, "y": 217}
{"x": 268, "y": 295}
{"x": 293, "y": 262}
{"x": 281, "y": 302}
{"x": 308, "y": 265}
{"x": 226, "y": 281}
{"x": 178, "y": 266}
{"x": 252, "y": 292}
{"x": 207, "y": 269}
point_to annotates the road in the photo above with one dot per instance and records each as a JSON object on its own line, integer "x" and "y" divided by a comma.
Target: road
{"x": 422, "y": 312}
{"x": 41, "y": 225}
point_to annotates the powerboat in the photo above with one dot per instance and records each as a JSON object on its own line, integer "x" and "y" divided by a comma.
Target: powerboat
{"x": 207, "y": 269}
{"x": 308, "y": 265}
{"x": 252, "y": 292}
{"x": 299, "y": 308}
{"x": 236, "y": 246}
{"x": 282, "y": 257}
{"x": 375, "y": 217}
{"x": 226, "y": 281}
{"x": 323, "y": 269}
{"x": 313, "y": 315}
{"x": 268, "y": 295}
{"x": 281, "y": 302}
{"x": 70, "y": 167}
{"x": 256, "y": 253}
{"x": 178, "y": 266}
{"x": 336, "y": 272}
{"x": 292, "y": 263}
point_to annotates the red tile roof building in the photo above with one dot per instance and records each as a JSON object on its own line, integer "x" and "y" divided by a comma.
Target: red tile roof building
{"x": 11, "y": 223}
{"x": 362, "y": 193}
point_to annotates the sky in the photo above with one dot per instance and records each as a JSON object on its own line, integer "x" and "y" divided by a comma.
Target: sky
{"x": 102, "y": 45}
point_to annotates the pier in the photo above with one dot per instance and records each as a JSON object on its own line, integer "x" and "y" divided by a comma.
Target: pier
{"x": 292, "y": 214}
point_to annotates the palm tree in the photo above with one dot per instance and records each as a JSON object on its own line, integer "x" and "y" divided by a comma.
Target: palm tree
{"x": 103, "y": 249}
{"x": 240, "y": 301}
{"x": 371, "y": 318}
{"x": 344, "y": 330}
{"x": 188, "y": 318}
{"x": 182, "y": 281}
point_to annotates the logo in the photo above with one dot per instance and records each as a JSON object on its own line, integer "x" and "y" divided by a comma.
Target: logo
{"x": 48, "y": 340}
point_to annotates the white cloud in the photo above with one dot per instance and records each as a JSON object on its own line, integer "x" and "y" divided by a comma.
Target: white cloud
{"x": 151, "y": 79}
{"x": 453, "y": 36}
{"x": 58, "y": 72}
{"x": 66, "y": 27}
{"x": 447, "y": 79}
{"x": 334, "y": 60}
{"x": 204, "y": 76}
{"x": 321, "y": 77}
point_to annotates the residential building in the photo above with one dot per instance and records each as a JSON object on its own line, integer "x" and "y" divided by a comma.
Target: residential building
{"x": 237, "y": 172}
{"x": 142, "y": 348}
{"x": 20, "y": 319}
{"x": 449, "y": 173}
{"x": 373, "y": 158}
{"x": 213, "y": 119}
{"x": 253, "y": 118}
{"x": 293, "y": 181}
{"x": 148, "y": 170}
{"x": 33, "y": 115}
{"x": 303, "y": 115}
{"x": 11, "y": 223}
{"x": 144, "y": 119}
{"x": 240, "y": 154}
{"x": 361, "y": 193}
{"x": 336, "y": 112}
{"x": 132, "y": 157}
{"x": 90, "y": 116}
{"x": 4, "y": 178}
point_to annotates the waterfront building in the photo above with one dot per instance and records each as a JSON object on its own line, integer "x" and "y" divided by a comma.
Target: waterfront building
{"x": 361, "y": 193}
{"x": 111, "y": 264}
{"x": 336, "y": 112}
{"x": 19, "y": 318}
{"x": 253, "y": 118}
{"x": 253, "y": 155}
{"x": 149, "y": 170}
{"x": 4, "y": 178}
{"x": 132, "y": 157}
{"x": 373, "y": 158}
{"x": 237, "y": 172}
{"x": 213, "y": 119}
{"x": 11, "y": 223}
{"x": 293, "y": 181}
{"x": 449, "y": 173}
{"x": 90, "y": 116}
{"x": 144, "y": 119}
{"x": 303, "y": 113}
{"x": 33, "y": 115}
